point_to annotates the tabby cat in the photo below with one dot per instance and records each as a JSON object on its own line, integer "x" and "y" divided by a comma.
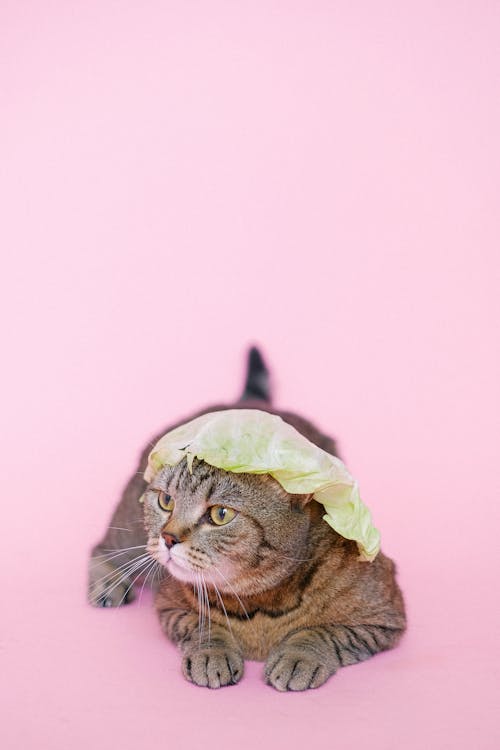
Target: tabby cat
{"x": 244, "y": 570}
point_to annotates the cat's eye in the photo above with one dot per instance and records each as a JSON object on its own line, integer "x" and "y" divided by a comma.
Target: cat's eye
{"x": 221, "y": 515}
{"x": 165, "y": 502}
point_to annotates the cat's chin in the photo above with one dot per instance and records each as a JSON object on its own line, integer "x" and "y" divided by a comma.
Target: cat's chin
{"x": 180, "y": 572}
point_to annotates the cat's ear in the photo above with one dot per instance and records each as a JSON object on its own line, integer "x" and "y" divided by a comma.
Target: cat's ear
{"x": 300, "y": 501}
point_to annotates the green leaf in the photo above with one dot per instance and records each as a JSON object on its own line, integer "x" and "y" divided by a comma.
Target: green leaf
{"x": 251, "y": 441}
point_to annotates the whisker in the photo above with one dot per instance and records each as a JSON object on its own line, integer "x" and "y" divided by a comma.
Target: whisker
{"x": 102, "y": 586}
{"x": 110, "y": 556}
{"x": 200, "y": 619}
{"x": 141, "y": 569}
{"x": 232, "y": 589}
{"x": 162, "y": 572}
{"x": 121, "y": 572}
{"x": 118, "y": 568}
{"x": 159, "y": 575}
{"x": 122, "y": 549}
{"x": 139, "y": 565}
{"x": 207, "y": 600}
{"x": 152, "y": 569}
{"x": 219, "y": 595}
{"x": 202, "y": 600}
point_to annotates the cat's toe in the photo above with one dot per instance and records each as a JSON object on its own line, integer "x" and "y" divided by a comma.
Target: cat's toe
{"x": 295, "y": 672}
{"x": 213, "y": 668}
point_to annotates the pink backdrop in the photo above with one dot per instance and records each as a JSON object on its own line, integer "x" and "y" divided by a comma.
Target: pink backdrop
{"x": 182, "y": 178}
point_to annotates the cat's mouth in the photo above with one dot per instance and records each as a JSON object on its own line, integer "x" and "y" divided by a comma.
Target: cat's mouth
{"x": 180, "y": 564}
{"x": 180, "y": 568}
{"x": 176, "y": 561}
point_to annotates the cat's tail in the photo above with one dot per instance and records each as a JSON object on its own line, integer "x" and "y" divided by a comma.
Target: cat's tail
{"x": 257, "y": 383}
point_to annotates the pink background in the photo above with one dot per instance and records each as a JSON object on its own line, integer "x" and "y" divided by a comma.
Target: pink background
{"x": 180, "y": 179}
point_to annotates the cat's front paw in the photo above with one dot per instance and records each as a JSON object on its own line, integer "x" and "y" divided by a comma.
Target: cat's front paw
{"x": 213, "y": 667}
{"x": 107, "y": 587}
{"x": 293, "y": 669}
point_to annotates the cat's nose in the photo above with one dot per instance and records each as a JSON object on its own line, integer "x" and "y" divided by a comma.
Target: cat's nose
{"x": 170, "y": 539}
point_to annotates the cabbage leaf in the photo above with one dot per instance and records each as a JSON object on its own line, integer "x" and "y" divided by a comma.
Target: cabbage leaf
{"x": 252, "y": 441}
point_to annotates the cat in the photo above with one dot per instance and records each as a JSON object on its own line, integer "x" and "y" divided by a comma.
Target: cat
{"x": 244, "y": 570}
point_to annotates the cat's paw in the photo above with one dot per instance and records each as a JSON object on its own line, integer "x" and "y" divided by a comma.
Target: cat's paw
{"x": 213, "y": 667}
{"x": 288, "y": 669}
{"x": 107, "y": 587}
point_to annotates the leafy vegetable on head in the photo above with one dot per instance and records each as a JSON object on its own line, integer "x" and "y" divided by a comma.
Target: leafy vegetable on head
{"x": 251, "y": 441}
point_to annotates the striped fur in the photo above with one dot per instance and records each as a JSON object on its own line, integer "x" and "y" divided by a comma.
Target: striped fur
{"x": 276, "y": 584}
{"x": 300, "y": 599}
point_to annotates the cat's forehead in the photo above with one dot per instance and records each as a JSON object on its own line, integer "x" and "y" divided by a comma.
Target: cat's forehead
{"x": 199, "y": 479}
{"x": 203, "y": 482}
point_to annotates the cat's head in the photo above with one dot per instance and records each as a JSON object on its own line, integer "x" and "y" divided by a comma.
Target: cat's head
{"x": 243, "y": 532}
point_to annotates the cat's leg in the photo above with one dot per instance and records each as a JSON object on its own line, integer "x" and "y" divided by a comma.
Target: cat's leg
{"x": 112, "y": 575}
{"x": 306, "y": 658}
{"x": 120, "y": 558}
{"x": 207, "y": 660}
